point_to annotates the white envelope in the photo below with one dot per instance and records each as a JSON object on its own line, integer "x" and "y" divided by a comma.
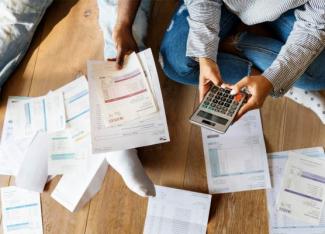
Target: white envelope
{"x": 33, "y": 171}
{"x": 76, "y": 188}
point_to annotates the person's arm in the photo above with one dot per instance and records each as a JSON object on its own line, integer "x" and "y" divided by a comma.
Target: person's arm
{"x": 122, "y": 33}
{"x": 203, "y": 40}
{"x": 305, "y": 42}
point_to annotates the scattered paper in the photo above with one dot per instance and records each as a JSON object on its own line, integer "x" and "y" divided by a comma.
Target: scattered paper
{"x": 279, "y": 223}
{"x": 302, "y": 191}
{"x": 70, "y": 147}
{"x": 29, "y": 115}
{"x": 78, "y": 186}
{"x": 123, "y": 94}
{"x": 177, "y": 211}
{"x": 76, "y": 102}
{"x": 21, "y": 211}
{"x": 33, "y": 171}
{"x": 7, "y": 129}
{"x": 237, "y": 160}
{"x": 134, "y": 134}
{"x": 12, "y": 153}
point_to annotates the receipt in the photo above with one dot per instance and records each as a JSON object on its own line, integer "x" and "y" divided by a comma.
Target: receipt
{"x": 124, "y": 94}
{"x": 177, "y": 211}
{"x": 302, "y": 192}
{"x": 21, "y": 211}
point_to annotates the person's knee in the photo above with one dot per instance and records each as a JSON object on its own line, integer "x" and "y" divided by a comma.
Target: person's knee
{"x": 175, "y": 64}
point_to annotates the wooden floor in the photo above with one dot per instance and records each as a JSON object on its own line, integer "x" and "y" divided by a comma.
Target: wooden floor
{"x": 67, "y": 37}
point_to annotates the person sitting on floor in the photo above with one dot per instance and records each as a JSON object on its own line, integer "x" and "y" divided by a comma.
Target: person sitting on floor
{"x": 18, "y": 22}
{"x": 294, "y": 57}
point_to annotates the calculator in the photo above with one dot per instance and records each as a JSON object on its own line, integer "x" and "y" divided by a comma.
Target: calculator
{"x": 218, "y": 109}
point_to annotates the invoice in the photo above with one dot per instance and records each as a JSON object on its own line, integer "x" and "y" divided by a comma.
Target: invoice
{"x": 123, "y": 94}
{"x": 21, "y": 211}
{"x": 134, "y": 134}
{"x": 279, "y": 223}
{"x": 29, "y": 115}
{"x": 237, "y": 160}
{"x": 70, "y": 147}
{"x": 177, "y": 211}
{"x": 302, "y": 192}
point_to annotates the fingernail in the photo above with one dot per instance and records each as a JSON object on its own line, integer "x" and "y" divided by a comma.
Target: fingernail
{"x": 232, "y": 92}
{"x": 223, "y": 86}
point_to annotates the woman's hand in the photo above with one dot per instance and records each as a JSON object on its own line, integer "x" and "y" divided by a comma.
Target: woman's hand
{"x": 124, "y": 42}
{"x": 209, "y": 74}
{"x": 259, "y": 88}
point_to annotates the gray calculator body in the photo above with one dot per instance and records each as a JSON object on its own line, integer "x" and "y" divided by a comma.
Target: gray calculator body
{"x": 218, "y": 109}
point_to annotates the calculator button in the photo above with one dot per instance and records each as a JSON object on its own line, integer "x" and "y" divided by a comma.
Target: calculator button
{"x": 223, "y": 112}
{"x": 214, "y": 89}
{"x": 227, "y": 91}
{"x": 227, "y": 105}
{"x": 213, "y": 104}
{"x": 206, "y": 103}
{"x": 239, "y": 97}
{"x": 223, "y": 99}
{"x": 229, "y": 100}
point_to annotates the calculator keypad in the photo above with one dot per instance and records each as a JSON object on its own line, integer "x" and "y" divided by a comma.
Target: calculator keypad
{"x": 220, "y": 100}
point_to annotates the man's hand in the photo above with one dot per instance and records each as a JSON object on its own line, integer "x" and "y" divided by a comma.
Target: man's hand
{"x": 258, "y": 86}
{"x": 124, "y": 42}
{"x": 209, "y": 74}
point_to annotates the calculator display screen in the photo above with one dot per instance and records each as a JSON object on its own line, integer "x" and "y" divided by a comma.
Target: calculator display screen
{"x": 212, "y": 117}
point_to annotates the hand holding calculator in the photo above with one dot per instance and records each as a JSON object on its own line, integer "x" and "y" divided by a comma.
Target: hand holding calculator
{"x": 218, "y": 109}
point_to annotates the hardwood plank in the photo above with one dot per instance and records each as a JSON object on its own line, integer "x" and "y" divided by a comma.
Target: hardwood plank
{"x": 70, "y": 27}
{"x": 302, "y": 128}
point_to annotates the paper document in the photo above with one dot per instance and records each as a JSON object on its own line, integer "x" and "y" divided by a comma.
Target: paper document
{"x": 124, "y": 94}
{"x": 237, "y": 160}
{"x": 33, "y": 171}
{"x": 302, "y": 191}
{"x": 279, "y": 223}
{"x": 76, "y": 102}
{"x": 136, "y": 133}
{"x": 29, "y": 115}
{"x": 21, "y": 211}
{"x": 70, "y": 147}
{"x": 177, "y": 211}
{"x": 12, "y": 153}
{"x": 78, "y": 186}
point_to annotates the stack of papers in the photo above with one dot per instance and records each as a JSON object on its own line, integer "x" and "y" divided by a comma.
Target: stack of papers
{"x": 237, "y": 160}
{"x": 281, "y": 222}
{"x": 123, "y": 95}
{"x": 177, "y": 211}
{"x": 51, "y": 135}
{"x": 137, "y": 133}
